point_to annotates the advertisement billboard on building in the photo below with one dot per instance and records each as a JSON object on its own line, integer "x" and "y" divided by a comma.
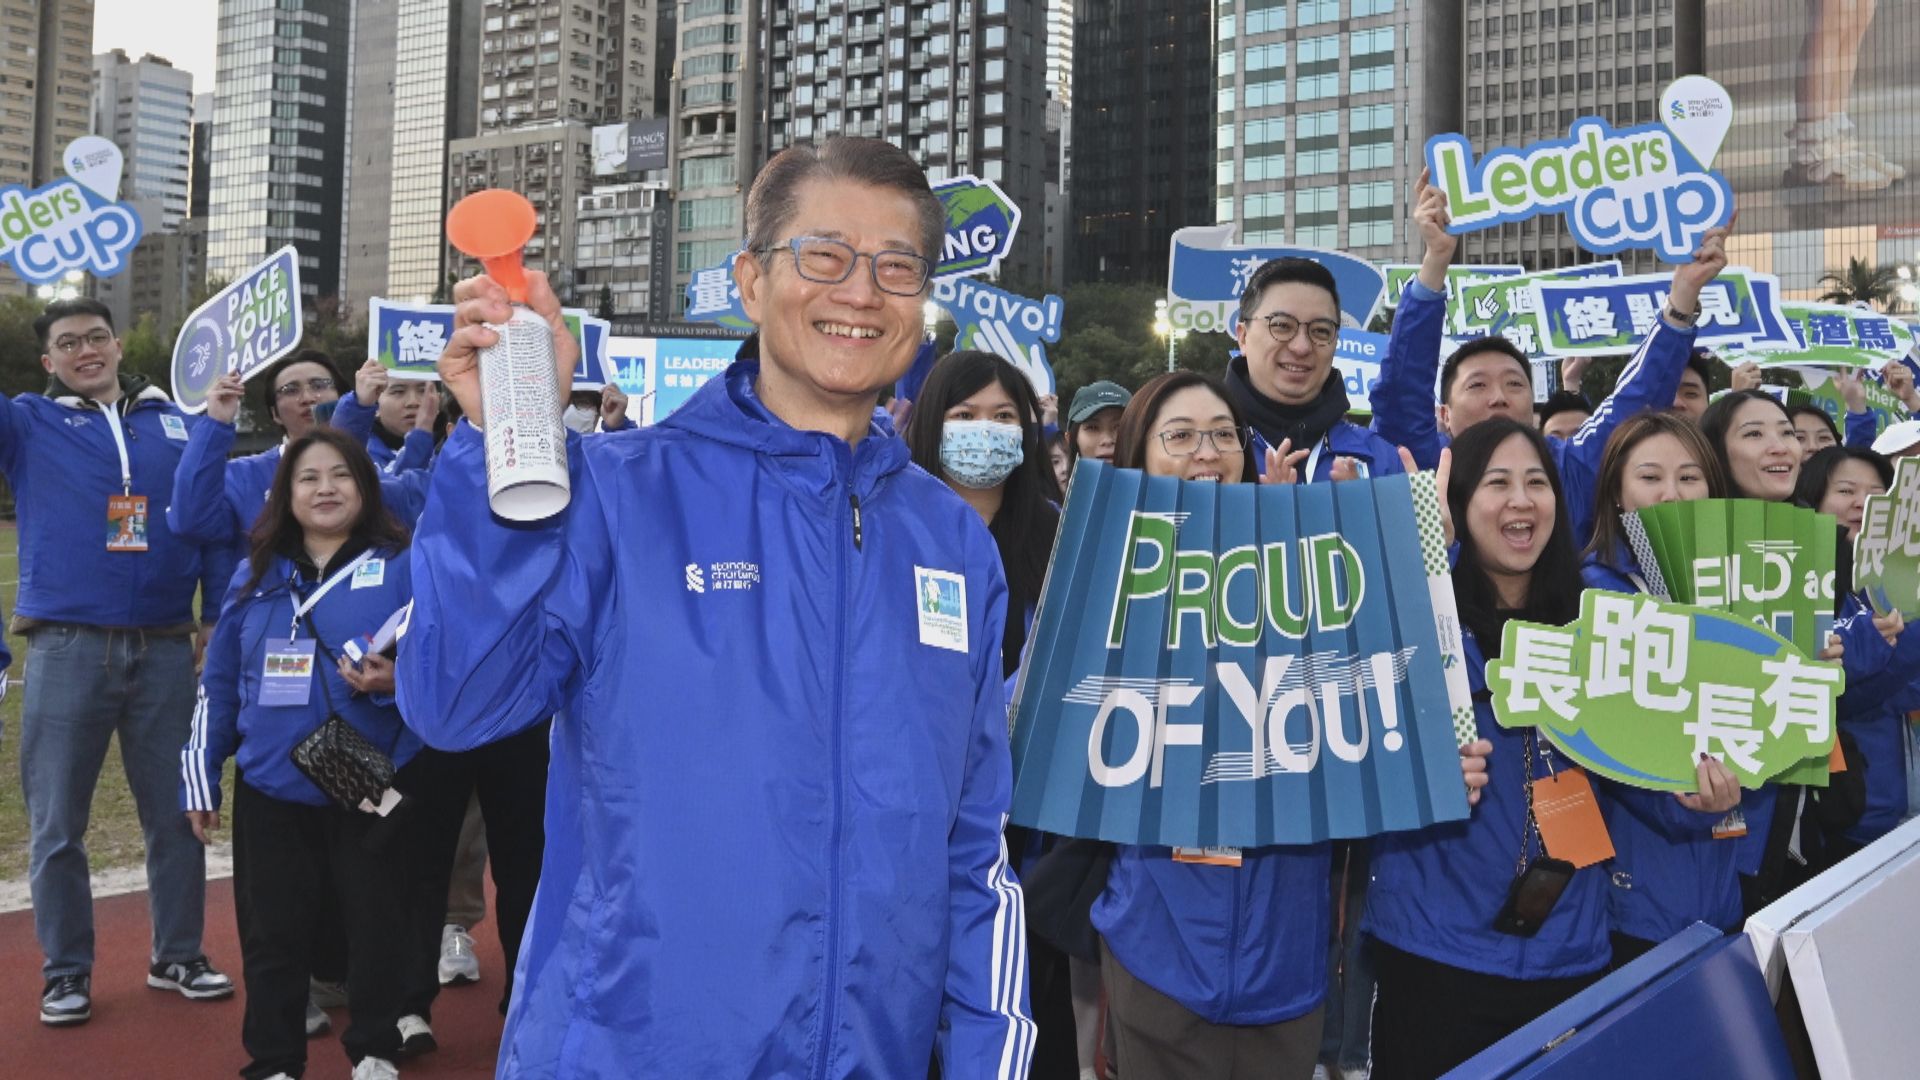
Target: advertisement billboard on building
{"x": 1824, "y": 152}
{"x": 632, "y": 147}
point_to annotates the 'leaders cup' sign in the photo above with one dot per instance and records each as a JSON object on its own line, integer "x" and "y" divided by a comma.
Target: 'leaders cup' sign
{"x": 241, "y": 329}
{"x": 71, "y": 224}
{"x": 1242, "y": 664}
{"x": 1639, "y": 187}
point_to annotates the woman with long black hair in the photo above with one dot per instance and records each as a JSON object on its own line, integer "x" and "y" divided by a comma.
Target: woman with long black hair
{"x": 1454, "y": 972}
{"x": 327, "y": 569}
{"x": 1788, "y": 826}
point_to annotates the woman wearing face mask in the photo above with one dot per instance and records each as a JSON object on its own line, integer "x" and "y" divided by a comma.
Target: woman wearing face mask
{"x": 328, "y": 566}
{"x": 976, "y": 425}
{"x": 1753, "y": 437}
{"x": 1673, "y": 859}
{"x": 1450, "y": 982}
{"x": 1838, "y": 481}
{"x": 1213, "y": 970}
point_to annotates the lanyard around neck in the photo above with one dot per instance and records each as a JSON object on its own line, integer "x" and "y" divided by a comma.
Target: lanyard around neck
{"x": 112, "y": 415}
{"x": 302, "y": 606}
{"x": 1313, "y": 463}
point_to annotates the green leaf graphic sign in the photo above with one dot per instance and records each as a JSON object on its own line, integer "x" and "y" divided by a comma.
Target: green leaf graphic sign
{"x": 1638, "y": 688}
{"x": 1886, "y": 554}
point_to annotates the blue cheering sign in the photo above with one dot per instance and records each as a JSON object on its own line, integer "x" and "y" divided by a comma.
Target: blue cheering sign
{"x": 1207, "y": 272}
{"x": 713, "y": 297}
{"x": 242, "y": 329}
{"x": 981, "y": 224}
{"x": 1242, "y": 665}
{"x": 1005, "y": 324}
{"x": 1638, "y": 187}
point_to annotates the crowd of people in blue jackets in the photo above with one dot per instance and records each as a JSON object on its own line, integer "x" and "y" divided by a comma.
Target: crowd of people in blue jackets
{"x": 731, "y": 728}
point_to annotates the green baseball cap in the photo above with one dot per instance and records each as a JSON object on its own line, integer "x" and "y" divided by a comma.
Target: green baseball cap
{"x": 1094, "y": 397}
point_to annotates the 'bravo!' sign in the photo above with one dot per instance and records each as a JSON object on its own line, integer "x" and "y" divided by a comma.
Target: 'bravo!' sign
{"x": 241, "y": 329}
{"x": 1640, "y": 187}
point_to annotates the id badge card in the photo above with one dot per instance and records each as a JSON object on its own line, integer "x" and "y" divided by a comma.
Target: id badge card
{"x": 1570, "y": 823}
{"x": 288, "y": 678}
{"x": 1731, "y": 827}
{"x": 1207, "y": 856}
{"x": 126, "y": 523}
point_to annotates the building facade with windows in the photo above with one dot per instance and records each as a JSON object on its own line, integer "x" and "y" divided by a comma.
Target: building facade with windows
{"x": 1143, "y": 125}
{"x": 283, "y": 73}
{"x": 715, "y": 140}
{"x": 146, "y": 107}
{"x": 1323, "y": 108}
{"x": 1531, "y": 68}
{"x": 46, "y": 88}
{"x": 960, "y": 84}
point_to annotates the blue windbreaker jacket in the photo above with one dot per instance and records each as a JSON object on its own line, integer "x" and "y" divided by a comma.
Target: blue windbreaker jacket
{"x": 1236, "y": 945}
{"x": 60, "y": 458}
{"x": 415, "y": 452}
{"x": 1403, "y": 402}
{"x": 780, "y": 766}
{"x": 231, "y": 722}
{"x": 1668, "y": 871}
{"x": 1874, "y": 711}
{"x": 1436, "y": 892}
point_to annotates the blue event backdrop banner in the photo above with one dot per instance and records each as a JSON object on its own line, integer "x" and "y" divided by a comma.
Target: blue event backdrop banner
{"x": 1242, "y": 665}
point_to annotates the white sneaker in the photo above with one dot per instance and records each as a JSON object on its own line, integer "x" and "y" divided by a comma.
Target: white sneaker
{"x": 317, "y": 1020}
{"x": 458, "y": 964}
{"x": 1320, "y": 1073}
{"x": 416, "y": 1036}
{"x": 279, "y": 1076}
{"x": 373, "y": 1068}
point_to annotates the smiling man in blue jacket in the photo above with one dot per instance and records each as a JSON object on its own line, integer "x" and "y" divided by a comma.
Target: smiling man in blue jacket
{"x": 106, "y": 605}
{"x": 780, "y": 766}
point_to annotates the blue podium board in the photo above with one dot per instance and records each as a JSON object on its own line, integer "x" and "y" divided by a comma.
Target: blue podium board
{"x": 1696, "y": 1005}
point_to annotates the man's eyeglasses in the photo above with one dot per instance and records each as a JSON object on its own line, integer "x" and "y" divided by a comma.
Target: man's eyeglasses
{"x": 70, "y": 343}
{"x": 1185, "y": 442}
{"x": 315, "y": 387}
{"x": 1321, "y": 332}
{"x": 831, "y": 262}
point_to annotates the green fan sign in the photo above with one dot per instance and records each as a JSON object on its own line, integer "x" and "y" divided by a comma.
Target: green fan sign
{"x": 1886, "y": 554}
{"x": 1638, "y": 688}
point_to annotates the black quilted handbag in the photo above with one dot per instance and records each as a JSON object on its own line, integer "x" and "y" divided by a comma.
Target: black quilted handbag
{"x": 343, "y": 764}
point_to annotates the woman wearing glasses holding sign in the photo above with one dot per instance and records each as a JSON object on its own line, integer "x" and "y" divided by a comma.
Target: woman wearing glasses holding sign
{"x": 1215, "y": 961}
{"x": 327, "y": 570}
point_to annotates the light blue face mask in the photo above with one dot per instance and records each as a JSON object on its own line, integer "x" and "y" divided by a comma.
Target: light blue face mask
{"x": 980, "y": 454}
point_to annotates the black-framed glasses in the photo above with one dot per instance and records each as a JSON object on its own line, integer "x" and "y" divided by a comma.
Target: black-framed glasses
{"x": 1284, "y": 328}
{"x": 69, "y": 344}
{"x": 315, "y": 386}
{"x": 830, "y": 262}
{"x": 1185, "y": 442}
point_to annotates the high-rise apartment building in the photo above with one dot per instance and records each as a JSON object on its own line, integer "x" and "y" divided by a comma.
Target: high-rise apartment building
{"x": 1532, "y": 67}
{"x": 1323, "y": 108}
{"x": 46, "y": 81}
{"x": 283, "y": 74}
{"x": 416, "y": 86}
{"x": 200, "y": 182}
{"x": 715, "y": 91}
{"x": 1060, "y": 38}
{"x": 146, "y": 107}
{"x": 960, "y": 84}
{"x": 1143, "y": 134}
{"x": 548, "y": 73}
{"x": 1824, "y": 151}
{"x": 617, "y": 228}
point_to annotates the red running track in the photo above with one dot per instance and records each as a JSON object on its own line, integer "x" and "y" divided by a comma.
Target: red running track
{"x": 138, "y": 1032}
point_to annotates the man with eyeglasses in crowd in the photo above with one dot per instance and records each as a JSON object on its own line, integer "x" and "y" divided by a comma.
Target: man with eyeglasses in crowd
{"x": 771, "y": 648}
{"x": 106, "y": 605}
{"x": 1284, "y": 381}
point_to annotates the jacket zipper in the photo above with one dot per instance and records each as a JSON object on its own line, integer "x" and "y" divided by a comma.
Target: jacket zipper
{"x": 827, "y": 1017}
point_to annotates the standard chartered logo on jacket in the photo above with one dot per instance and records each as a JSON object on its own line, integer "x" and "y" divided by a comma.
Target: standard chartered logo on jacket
{"x": 736, "y": 576}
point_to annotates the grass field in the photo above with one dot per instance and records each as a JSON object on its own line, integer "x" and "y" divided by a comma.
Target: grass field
{"x": 113, "y": 839}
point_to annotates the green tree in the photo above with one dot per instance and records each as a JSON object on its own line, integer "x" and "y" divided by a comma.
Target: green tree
{"x": 1861, "y": 282}
{"x": 20, "y": 368}
{"x": 145, "y": 350}
{"x": 339, "y": 333}
{"x": 605, "y": 310}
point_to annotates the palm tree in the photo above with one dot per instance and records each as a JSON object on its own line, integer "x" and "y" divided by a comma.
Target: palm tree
{"x": 1861, "y": 282}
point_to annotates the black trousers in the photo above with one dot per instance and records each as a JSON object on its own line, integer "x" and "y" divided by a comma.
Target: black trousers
{"x": 510, "y": 779}
{"x": 286, "y": 856}
{"x": 1429, "y": 1017}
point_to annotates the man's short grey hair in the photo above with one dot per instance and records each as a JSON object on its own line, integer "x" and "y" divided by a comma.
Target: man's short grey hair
{"x": 771, "y": 203}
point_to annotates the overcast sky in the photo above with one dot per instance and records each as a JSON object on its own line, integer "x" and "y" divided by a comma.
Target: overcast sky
{"x": 183, "y": 31}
